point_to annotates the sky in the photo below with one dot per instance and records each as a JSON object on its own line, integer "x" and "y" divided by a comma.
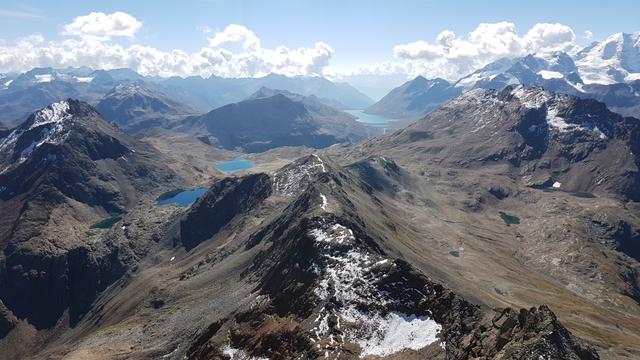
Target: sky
{"x": 328, "y": 38}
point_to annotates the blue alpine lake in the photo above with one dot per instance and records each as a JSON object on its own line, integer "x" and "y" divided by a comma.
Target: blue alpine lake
{"x": 363, "y": 117}
{"x": 237, "y": 164}
{"x": 180, "y": 197}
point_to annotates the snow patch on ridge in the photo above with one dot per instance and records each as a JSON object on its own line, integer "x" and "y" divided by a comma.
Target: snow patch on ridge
{"x": 44, "y": 78}
{"x": 547, "y": 74}
{"x": 237, "y": 354}
{"x": 350, "y": 281}
{"x": 291, "y": 180}
{"x": 325, "y": 203}
{"x": 51, "y": 120}
{"x": 536, "y": 99}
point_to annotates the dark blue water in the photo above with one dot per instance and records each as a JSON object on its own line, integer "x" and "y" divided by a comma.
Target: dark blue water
{"x": 363, "y": 117}
{"x": 237, "y": 164}
{"x": 183, "y": 198}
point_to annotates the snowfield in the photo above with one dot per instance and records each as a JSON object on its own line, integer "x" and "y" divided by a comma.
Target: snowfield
{"x": 350, "y": 278}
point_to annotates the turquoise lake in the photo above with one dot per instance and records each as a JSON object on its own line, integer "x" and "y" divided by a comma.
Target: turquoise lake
{"x": 237, "y": 164}
{"x": 182, "y": 198}
{"x": 363, "y": 117}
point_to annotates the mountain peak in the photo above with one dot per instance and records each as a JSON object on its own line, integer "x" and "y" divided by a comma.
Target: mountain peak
{"x": 265, "y": 92}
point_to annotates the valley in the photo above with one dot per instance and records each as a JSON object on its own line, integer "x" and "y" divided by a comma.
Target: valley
{"x": 491, "y": 213}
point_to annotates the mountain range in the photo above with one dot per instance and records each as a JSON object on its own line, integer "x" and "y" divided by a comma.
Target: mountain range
{"x": 607, "y": 71}
{"x": 21, "y": 94}
{"x": 275, "y": 118}
{"x": 503, "y": 223}
{"x": 367, "y": 249}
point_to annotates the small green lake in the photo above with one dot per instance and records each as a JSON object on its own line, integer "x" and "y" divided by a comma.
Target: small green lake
{"x": 106, "y": 223}
{"x": 509, "y": 219}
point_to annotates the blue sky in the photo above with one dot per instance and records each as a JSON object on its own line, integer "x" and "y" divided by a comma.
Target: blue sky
{"x": 358, "y": 32}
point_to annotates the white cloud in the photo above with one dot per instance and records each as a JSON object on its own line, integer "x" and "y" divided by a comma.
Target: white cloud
{"x": 588, "y": 35}
{"x": 101, "y": 24}
{"x": 233, "y": 34}
{"x": 550, "y": 37}
{"x": 452, "y": 57}
{"x": 233, "y": 52}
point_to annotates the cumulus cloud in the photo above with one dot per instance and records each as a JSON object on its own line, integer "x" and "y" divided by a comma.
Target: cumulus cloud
{"x": 452, "y": 57}
{"x": 236, "y": 51}
{"x": 588, "y": 35}
{"x": 101, "y": 24}
{"x": 234, "y": 34}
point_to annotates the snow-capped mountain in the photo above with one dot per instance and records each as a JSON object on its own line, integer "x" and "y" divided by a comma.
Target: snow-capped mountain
{"x": 531, "y": 70}
{"x": 613, "y": 60}
{"x": 608, "y": 71}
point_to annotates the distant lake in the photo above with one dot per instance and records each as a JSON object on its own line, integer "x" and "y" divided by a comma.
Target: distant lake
{"x": 237, "y": 164}
{"x": 180, "y": 197}
{"x": 363, "y": 117}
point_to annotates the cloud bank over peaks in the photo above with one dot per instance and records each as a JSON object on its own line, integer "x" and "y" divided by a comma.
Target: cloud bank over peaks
{"x": 91, "y": 40}
{"x": 452, "y": 57}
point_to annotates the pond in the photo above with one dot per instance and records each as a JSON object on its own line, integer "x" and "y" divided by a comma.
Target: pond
{"x": 180, "y": 197}
{"x": 509, "y": 219}
{"x": 106, "y": 223}
{"x": 235, "y": 165}
{"x": 363, "y": 117}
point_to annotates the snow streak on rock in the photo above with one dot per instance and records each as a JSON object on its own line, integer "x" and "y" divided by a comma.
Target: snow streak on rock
{"x": 291, "y": 180}
{"x": 533, "y": 98}
{"x": 51, "y": 124}
{"x": 358, "y": 308}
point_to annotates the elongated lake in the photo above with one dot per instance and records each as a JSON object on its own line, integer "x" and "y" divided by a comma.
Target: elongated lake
{"x": 180, "y": 197}
{"x": 235, "y": 165}
{"x": 363, "y": 117}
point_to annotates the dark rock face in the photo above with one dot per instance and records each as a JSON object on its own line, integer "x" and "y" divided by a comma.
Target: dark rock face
{"x": 40, "y": 288}
{"x": 66, "y": 154}
{"x": 225, "y": 199}
{"x": 527, "y": 334}
{"x": 7, "y": 320}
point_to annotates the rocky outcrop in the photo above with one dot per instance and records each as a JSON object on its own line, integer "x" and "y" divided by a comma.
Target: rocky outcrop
{"x": 7, "y": 320}
{"x": 545, "y": 137}
{"x": 225, "y": 199}
{"x": 39, "y": 287}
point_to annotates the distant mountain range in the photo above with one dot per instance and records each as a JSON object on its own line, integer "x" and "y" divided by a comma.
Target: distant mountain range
{"x": 21, "y": 94}
{"x": 274, "y": 118}
{"x": 608, "y": 71}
